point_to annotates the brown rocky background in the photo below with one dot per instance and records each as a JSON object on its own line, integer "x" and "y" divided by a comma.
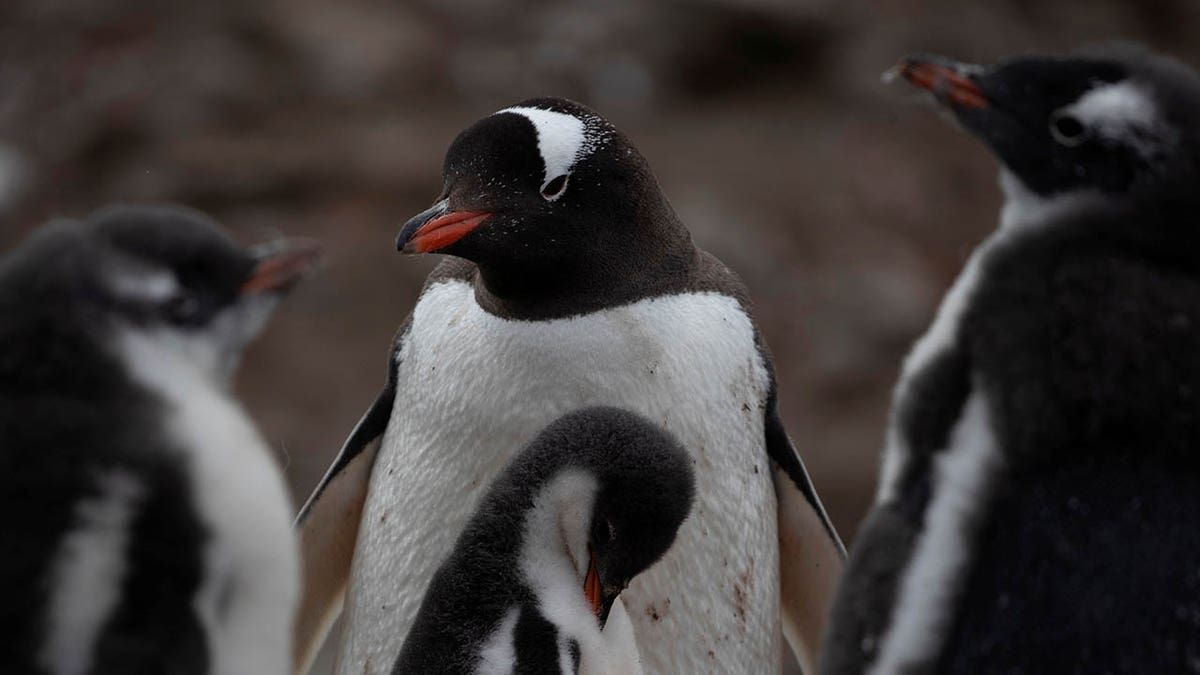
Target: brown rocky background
{"x": 847, "y": 207}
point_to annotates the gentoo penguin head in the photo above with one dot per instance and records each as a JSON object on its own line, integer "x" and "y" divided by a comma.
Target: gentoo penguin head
{"x": 645, "y": 490}
{"x": 630, "y": 486}
{"x": 547, "y": 192}
{"x": 1116, "y": 123}
{"x": 161, "y": 273}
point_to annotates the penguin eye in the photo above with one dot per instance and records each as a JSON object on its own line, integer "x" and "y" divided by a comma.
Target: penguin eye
{"x": 182, "y": 308}
{"x": 554, "y": 189}
{"x": 1067, "y": 129}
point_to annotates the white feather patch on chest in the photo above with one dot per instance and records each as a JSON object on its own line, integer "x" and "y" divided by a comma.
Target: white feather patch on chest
{"x": 554, "y": 559}
{"x": 499, "y": 653}
{"x": 1023, "y": 209}
{"x": 473, "y": 389}
{"x": 554, "y": 554}
{"x": 87, "y": 574}
{"x": 938, "y": 339}
{"x": 962, "y": 477}
{"x": 248, "y": 595}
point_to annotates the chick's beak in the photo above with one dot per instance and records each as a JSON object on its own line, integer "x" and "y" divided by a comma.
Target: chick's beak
{"x": 950, "y": 81}
{"x": 437, "y": 227}
{"x": 600, "y": 596}
{"x": 281, "y": 264}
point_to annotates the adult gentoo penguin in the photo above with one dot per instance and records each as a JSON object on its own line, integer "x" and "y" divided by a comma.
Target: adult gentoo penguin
{"x": 147, "y": 528}
{"x": 573, "y": 283}
{"x": 536, "y": 575}
{"x": 1040, "y": 494}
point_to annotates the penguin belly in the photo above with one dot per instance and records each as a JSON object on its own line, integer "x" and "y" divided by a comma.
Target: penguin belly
{"x": 248, "y": 595}
{"x": 473, "y": 389}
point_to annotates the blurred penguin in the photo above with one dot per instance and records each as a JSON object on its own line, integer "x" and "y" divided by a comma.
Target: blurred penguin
{"x": 147, "y": 527}
{"x": 1040, "y": 495}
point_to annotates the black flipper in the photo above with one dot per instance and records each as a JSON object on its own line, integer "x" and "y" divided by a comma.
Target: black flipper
{"x": 781, "y": 451}
{"x": 369, "y": 428}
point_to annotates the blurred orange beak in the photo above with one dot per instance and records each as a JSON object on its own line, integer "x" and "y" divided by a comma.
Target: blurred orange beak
{"x": 943, "y": 80}
{"x": 281, "y": 265}
{"x": 591, "y": 583}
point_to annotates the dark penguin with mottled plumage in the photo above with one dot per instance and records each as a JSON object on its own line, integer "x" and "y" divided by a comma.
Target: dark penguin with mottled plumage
{"x": 533, "y": 583}
{"x": 573, "y": 283}
{"x": 148, "y": 527}
{"x": 1040, "y": 495}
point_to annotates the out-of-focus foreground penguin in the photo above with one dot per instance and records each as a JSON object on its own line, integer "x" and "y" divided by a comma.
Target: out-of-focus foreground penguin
{"x": 147, "y": 526}
{"x": 573, "y": 283}
{"x": 1040, "y": 495}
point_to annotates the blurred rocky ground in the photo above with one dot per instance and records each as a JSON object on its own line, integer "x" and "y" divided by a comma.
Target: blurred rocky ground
{"x": 846, "y": 204}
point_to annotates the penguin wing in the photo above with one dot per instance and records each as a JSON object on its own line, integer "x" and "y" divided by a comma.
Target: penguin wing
{"x": 328, "y": 522}
{"x": 811, "y": 554}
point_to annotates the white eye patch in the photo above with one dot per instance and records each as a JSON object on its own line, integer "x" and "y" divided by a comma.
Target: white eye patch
{"x": 139, "y": 283}
{"x": 563, "y": 139}
{"x": 1122, "y": 112}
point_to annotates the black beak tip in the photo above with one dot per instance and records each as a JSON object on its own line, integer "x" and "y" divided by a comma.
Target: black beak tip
{"x": 605, "y": 608}
{"x": 412, "y": 225}
{"x": 608, "y": 598}
{"x": 404, "y": 238}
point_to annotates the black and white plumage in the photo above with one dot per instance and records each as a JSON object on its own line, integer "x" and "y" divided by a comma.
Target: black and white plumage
{"x": 1041, "y": 488}
{"x": 593, "y": 501}
{"x": 573, "y": 284}
{"x": 146, "y": 523}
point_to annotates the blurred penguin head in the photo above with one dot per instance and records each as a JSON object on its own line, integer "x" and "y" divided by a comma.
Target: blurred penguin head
{"x": 1118, "y": 122}
{"x": 154, "y": 278}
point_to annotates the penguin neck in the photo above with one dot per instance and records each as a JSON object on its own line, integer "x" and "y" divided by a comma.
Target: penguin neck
{"x": 1023, "y": 208}
{"x": 52, "y": 347}
{"x": 1158, "y": 229}
{"x": 556, "y": 527}
{"x": 553, "y": 557}
{"x": 617, "y": 268}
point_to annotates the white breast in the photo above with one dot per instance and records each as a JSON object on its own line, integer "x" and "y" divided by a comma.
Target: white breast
{"x": 1023, "y": 210}
{"x": 242, "y": 501}
{"x": 963, "y": 477}
{"x": 88, "y": 572}
{"x": 473, "y": 389}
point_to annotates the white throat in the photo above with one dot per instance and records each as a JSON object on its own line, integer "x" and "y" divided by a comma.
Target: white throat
{"x": 554, "y": 556}
{"x": 238, "y": 493}
{"x": 1025, "y": 208}
{"x": 554, "y": 561}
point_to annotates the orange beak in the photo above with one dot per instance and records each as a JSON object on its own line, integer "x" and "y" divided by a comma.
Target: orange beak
{"x": 438, "y": 233}
{"x": 591, "y": 583}
{"x": 282, "y": 265}
{"x": 944, "y": 81}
